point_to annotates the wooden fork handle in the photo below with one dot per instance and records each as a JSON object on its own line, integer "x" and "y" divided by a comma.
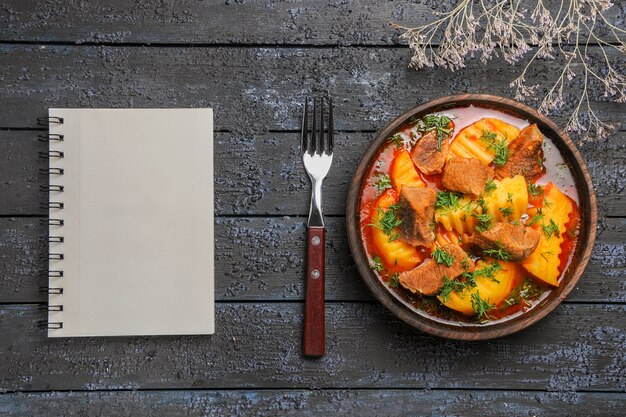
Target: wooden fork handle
{"x": 314, "y": 303}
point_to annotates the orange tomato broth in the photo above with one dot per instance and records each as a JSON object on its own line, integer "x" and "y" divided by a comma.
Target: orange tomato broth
{"x": 463, "y": 117}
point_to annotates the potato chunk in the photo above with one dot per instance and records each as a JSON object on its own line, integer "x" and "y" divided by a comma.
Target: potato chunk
{"x": 395, "y": 253}
{"x": 474, "y": 140}
{"x": 508, "y": 201}
{"x": 491, "y": 289}
{"x": 556, "y": 208}
{"x": 403, "y": 172}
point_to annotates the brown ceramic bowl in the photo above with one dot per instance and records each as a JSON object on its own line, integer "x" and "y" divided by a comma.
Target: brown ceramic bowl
{"x": 465, "y": 331}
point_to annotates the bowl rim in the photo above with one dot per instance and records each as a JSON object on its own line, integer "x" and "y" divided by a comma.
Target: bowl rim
{"x": 582, "y": 254}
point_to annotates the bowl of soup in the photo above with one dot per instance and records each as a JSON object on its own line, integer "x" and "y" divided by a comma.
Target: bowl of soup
{"x": 471, "y": 216}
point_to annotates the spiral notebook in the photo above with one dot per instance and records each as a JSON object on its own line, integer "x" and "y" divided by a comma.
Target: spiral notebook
{"x": 130, "y": 222}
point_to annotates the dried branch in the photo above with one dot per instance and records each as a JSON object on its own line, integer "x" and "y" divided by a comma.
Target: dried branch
{"x": 489, "y": 28}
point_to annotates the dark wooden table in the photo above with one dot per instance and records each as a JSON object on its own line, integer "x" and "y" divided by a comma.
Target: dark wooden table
{"x": 253, "y": 62}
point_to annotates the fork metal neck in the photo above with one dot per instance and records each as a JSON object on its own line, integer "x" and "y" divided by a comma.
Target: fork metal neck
{"x": 316, "y": 219}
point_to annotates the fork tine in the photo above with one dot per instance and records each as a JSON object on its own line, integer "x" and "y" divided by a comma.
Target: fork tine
{"x": 313, "y": 144}
{"x": 330, "y": 125}
{"x": 320, "y": 143}
{"x": 305, "y": 120}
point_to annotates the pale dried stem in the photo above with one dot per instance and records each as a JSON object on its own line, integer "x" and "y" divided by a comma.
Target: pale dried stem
{"x": 501, "y": 27}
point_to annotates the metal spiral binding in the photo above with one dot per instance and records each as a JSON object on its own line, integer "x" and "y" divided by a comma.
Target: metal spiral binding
{"x": 51, "y": 273}
{"x": 52, "y": 307}
{"x": 52, "y": 205}
{"x": 51, "y": 154}
{"x": 51, "y": 171}
{"x": 51, "y": 290}
{"x": 52, "y": 222}
{"x": 50, "y": 189}
{"x": 50, "y": 120}
{"x": 49, "y": 137}
{"x": 45, "y": 324}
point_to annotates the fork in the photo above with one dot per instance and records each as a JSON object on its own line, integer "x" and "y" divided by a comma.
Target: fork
{"x": 317, "y": 156}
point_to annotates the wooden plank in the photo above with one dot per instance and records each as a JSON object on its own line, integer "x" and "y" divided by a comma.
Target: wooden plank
{"x": 263, "y": 259}
{"x": 19, "y": 173}
{"x": 365, "y": 403}
{"x": 577, "y": 347}
{"x": 606, "y": 161}
{"x": 308, "y": 22}
{"x": 263, "y": 173}
{"x": 251, "y": 89}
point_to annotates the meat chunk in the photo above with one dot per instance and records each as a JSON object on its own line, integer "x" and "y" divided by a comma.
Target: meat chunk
{"x": 426, "y": 156}
{"x": 428, "y": 278}
{"x": 517, "y": 240}
{"x": 467, "y": 175}
{"x": 525, "y": 155}
{"x": 416, "y": 208}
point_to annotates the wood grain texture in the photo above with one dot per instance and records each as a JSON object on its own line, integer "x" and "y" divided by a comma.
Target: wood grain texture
{"x": 263, "y": 173}
{"x": 577, "y": 347}
{"x": 365, "y": 403}
{"x": 256, "y": 88}
{"x": 250, "y": 89}
{"x": 315, "y": 277}
{"x": 263, "y": 259}
{"x": 307, "y": 22}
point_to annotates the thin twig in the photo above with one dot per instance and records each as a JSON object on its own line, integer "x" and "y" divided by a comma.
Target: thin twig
{"x": 490, "y": 28}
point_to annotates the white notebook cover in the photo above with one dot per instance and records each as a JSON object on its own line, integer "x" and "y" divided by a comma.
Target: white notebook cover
{"x": 137, "y": 222}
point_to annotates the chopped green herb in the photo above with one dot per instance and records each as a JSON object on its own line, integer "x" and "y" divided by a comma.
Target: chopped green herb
{"x": 449, "y": 286}
{"x": 498, "y": 254}
{"x": 543, "y": 255}
{"x": 394, "y": 280}
{"x": 500, "y": 149}
{"x": 384, "y": 182}
{"x": 470, "y": 278}
{"x": 484, "y": 221}
{"x": 547, "y": 203}
{"x": 480, "y": 201}
{"x": 506, "y": 211}
{"x": 481, "y": 307}
{"x": 488, "y": 136}
{"x": 526, "y": 291}
{"x": 488, "y": 271}
{"x": 490, "y": 187}
{"x": 501, "y": 153}
{"x": 440, "y": 123}
{"x": 448, "y": 199}
{"x": 485, "y": 217}
{"x": 467, "y": 208}
{"x": 551, "y": 229}
{"x": 440, "y": 256}
{"x": 397, "y": 140}
{"x": 535, "y": 218}
{"x": 429, "y": 304}
{"x": 509, "y": 197}
{"x": 387, "y": 221}
{"x": 534, "y": 190}
{"x": 377, "y": 264}
{"x": 465, "y": 264}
